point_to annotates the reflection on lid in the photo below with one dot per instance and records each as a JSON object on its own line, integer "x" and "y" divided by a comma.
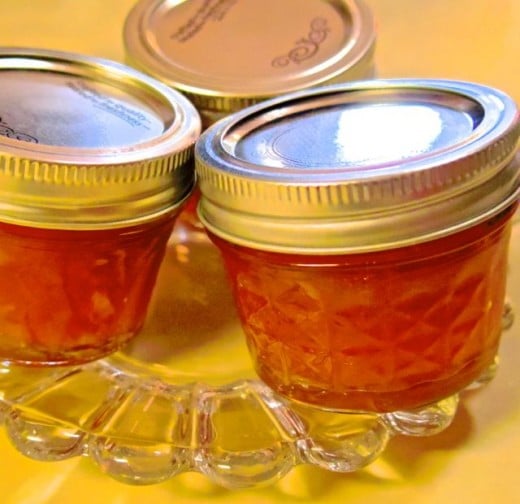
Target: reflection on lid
{"x": 386, "y": 133}
{"x": 64, "y": 110}
{"x": 355, "y": 135}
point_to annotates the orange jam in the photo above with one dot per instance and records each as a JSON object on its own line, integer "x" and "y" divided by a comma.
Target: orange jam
{"x": 72, "y": 296}
{"x": 378, "y": 331}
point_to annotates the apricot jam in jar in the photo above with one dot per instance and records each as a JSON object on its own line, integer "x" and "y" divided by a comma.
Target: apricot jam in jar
{"x": 96, "y": 160}
{"x": 365, "y": 230}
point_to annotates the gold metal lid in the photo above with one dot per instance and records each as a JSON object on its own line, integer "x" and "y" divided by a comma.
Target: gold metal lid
{"x": 359, "y": 167}
{"x": 228, "y": 54}
{"x": 88, "y": 143}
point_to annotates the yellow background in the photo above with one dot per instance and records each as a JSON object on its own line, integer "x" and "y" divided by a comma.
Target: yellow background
{"x": 477, "y": 460}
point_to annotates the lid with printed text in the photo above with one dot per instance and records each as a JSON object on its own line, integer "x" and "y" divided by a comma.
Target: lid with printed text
{"x": 360, "y": 166}
{"x": 227, "y": 54}
{"x": 87, "y": 143}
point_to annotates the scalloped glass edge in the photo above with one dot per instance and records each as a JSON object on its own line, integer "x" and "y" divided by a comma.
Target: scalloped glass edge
{"x": 141, "y": 430}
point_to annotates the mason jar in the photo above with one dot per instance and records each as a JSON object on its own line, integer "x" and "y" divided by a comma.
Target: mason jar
{"x": 96, "y": 160}
{"x": 365, "y": 228}
{"x": 228, "y": 54}
{"x": 225, "y": 55}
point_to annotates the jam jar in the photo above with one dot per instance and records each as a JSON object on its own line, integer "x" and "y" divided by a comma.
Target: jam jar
{"x": 96, "y": 160}
{"x": 228, "y": 54}
{"x": 364, "y": 228}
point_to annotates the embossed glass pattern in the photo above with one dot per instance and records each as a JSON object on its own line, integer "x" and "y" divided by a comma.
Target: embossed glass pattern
{"x": 385, "y": 331}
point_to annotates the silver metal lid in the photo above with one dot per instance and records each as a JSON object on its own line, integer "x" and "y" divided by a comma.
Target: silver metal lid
{"x": 227, "y": 54}
{"x": 88, "y": 143}
{"x": 359, "y": 167}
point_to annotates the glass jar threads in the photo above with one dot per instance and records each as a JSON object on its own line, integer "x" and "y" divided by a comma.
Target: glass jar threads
{"x": 95, "y": 162}
{"x": 365, "y": 230}
{"x": 227, "y": 54}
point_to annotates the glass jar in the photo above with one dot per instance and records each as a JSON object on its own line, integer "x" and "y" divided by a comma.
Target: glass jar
{"x": 95, "y": 163}
{"x": 365, "y": 230}
{"x": 228, "y": 54}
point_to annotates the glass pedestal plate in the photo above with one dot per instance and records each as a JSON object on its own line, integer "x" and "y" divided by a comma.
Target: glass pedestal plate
{"x": 183, "y": 397}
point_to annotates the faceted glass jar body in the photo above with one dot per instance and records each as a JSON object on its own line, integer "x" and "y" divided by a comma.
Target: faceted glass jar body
{"x": 365, "y": 229}
{"x": 377, "y": 331}
{"x": 68, "y": 297}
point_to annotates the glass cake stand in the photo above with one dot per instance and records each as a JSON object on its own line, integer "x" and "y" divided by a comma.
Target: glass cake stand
{"x": 183, "y": 397}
